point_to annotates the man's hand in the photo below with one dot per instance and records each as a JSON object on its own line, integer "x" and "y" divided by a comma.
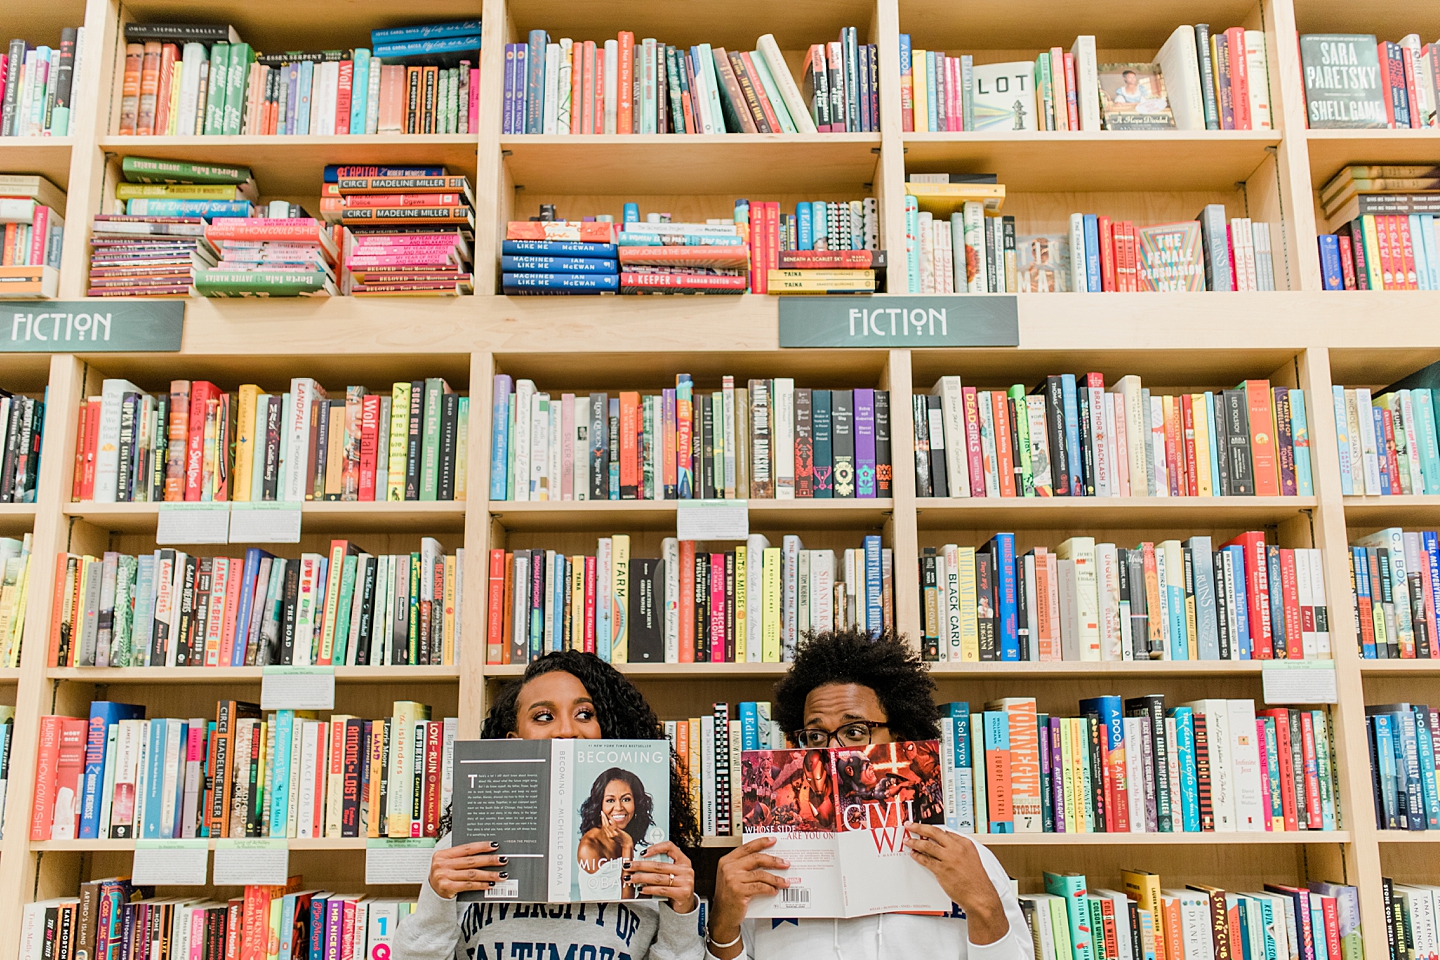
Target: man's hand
{"x": 741, "y": 877}
{"x": 456, "y": 870}
{"x": 955, "y": 861}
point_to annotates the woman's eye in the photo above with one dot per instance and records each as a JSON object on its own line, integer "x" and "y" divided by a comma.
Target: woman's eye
{"x": 544, "y": 716}
{"x": 585, "y": 715}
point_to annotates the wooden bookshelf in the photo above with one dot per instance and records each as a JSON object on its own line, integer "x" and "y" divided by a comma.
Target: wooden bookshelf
{"x": 1177, "y": 343}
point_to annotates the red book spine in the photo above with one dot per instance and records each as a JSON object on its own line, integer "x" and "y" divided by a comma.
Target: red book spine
{"x": 1407, "y": 253}
{"x": 597, "y": 107}
{"x": 56, "y": 610}
{"x": 1347, "y": 262}
{"x": 1329, "y": 910}
{"x": 1312, "y": 771}
{"x": 624, "y": 113}
{"x": 46, "y": 760}
{"x": 369, "y": 439}
{"x": 1408, "y": 60}
{"x": 687, "y": 601}
{"x": 1257, "y": 582}
{"x": 1107, "y": 256}
{"x": 589, "y": 639}
{"x": 973, "y": 451}
{"x": 1287, "y": 769}
{"x": 92, "y": 438}
{"x": 1389, "y": 458}
{"x": 629, "y": 449}
{"x": 1290, "y": 601}
{"x": 772, "y": 238}
{"x": 1108, "y": 779}
{"x": 717, "y": 608}
{"x": 1239, "y": 80}
{"x": 1187, "y": 426}
{"x": 201, "y": 392}
{"x": 1262, "y": 438}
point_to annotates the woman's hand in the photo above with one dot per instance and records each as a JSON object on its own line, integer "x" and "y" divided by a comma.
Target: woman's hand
{"x": 955, "y": 861}
{"x": 457, "y": 870}
{"x": 673, "y": 881}
{"x": 741, "y": 877}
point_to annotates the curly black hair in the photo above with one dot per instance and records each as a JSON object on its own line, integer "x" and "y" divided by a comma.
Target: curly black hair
{"x": 886, "y": 664}
{"x": 623, "y": 714}
{"x": 592, "y": 809}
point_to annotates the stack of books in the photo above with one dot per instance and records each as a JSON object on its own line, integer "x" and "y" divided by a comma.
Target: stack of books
{"x": 1200, "y": 80}
{"x": 745, "y": 605}
{"x": 1393, "y": 84}
{"x": 549, "y": 256}
{"x": 1388, "y": 238}
{"x": 814, "y": 226}
{"x": 1071, "y": 436}
{"x": 346, "y": 608}
{"x": 827, "y": 271}
{"x": 1393, "y": 574}
{"x": 1404, "y": 738}
{"x": 245, "y": 920}
{"x": 407, "y": 233}
{"x": 14, "y": 594}
{"x": 175, "y": 188}
{"x": 269, "y": 257}
{"x": 279, "y": 774}
{"x": 658, "y": 256}
{"x": 570, "y": 87}
{"x": 1113, "y": 769}
{"x": 763, "y": 440}
{"x": 37, "y": 84}
{"x": 1388, "y": 442}
{"x": 1084, "y": 601}
{"x": 201, "y": 443}
{"x": 32, "y": 232}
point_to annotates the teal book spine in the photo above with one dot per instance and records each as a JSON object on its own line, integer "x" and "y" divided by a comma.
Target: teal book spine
{"x": 1300, "y": 436}
{"x": 1422, "y": 400}
{"x": 959, "y": 718}
{"x": 1071, "y": 888}
{"x": 280, "y": 799}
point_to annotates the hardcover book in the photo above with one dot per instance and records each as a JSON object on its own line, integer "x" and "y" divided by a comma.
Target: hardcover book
{"x": 1343, "y": 86}
{"x": 1134, "y": 97}
{"x": 1044, "y": 264}
{"x": 567, "y": 813}
{"x": 1171, "y": 257}
{"x": 839, "y": 817}
{"x": 1004, "y": 96}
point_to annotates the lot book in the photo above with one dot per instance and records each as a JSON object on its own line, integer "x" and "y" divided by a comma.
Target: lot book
{"x": 566, "y": 812}
{"x": 839, "y": 817}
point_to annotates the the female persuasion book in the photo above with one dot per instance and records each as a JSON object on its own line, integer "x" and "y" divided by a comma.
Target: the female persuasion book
{"x": 839, "y": 817}
{"x": 566, "y": 812}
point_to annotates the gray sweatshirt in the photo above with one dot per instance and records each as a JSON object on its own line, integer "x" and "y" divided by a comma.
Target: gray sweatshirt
{"x": 441, "y": 929}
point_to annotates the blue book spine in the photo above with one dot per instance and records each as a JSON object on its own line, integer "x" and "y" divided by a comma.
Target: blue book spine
{"x": 874, "y": 614}
{"x": 1092, "y": 252}
{"x": 560, "y": 281}
{"x": 1385, "y": 479}
{"x": 1004, "y": 544}
{"x": 501, "y": 398}
{"x": 507, "y": 109}
{"x": 1072, "y": 431}
{"x": 535, "y": 82}
{"x": 749, "y": 726}
{"x": 912, "y": 242}
{"x": 1425, "y": 744}
{"x": 361, "y": 90}
{"x": 559, "y": 577}
{"x": 1422, "y": 400}
{"x": 804, "y": 226}
{"x": 247, "y": 601}
{"x": 579, "y": 265}
{"x": 1432, "y": 248}
{"x": 163, "y": 207}
{"x": 1348, "y": 470}
{"x": 431, "y": 31}
{"x": 1409, "y": 774}
{"x": 144, "y": 622}
{"x": 287, "y": 928}
{"x": 1242, "y": 600}
{"x": 997, "y": 737}
{"x": 303, "y": 84}
{"x": 426, "y": 48}
{"x": 292, "y": 99}
{"x": 1206, "y": 616}
{"x": 104, "y": 714}
{"x": 522, "y": 72}
{"x": 905, "y": 66}
{"x": 1317, "y": 923}
{"x": 1300, "y": 433}
{"x": 1360, "y": 569}
{"x": 1331, "y": 276}
{"x": 820, "y": 219}
{"x": 155, "y": 779}
{"x": 614, "y": 461}
{"x": 631, "y": 213}
{"x": 1189, "y": 776}
{"x": 1389, "y": 784}
{"x": 280, "y": 799}
{"x": 1277, "y": 603}
{"x": 1430, "y": 543}
{"x": 558, "y": 248}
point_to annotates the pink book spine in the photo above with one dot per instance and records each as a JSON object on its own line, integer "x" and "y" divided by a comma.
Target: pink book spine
{"x": 567, "y": 450}
{"x": 717, "y": 608}
{"x": 954, "y": 97}
{"x": 577, "y": 87}
{"x": 407, "y": 240}
{"x": 395, "y": 261}
{"x": 38, "y": 231}
{"x": 474, "y": 99}
{"x": 972, "y": 442}
{"x": 1072, "y": 100}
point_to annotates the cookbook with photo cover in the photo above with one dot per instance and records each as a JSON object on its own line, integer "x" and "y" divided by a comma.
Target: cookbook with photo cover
{"x": 839, "y": 815}
{"x": 567, "y": 813}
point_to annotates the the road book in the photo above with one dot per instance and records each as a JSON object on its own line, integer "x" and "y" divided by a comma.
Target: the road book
{"x": 839, "y": 817}
{"x": 566, "y": 812}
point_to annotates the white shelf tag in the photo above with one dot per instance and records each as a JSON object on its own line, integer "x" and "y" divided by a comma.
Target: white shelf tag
{"x": 398, "y": 861}
{"x": 297, "y": 688}
{"x": 265, "y": 523}
{"x": 187, "y": 523}
{"x": 712, "y": 520}
{"x": 170, "y": 863}
{"x": 1299, "y": 681}
{"x": 253, "y": 860}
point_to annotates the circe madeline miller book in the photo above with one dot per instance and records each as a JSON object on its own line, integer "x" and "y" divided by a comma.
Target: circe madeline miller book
{"x": 839, "y": 816}
{"x": 566, "y": 813}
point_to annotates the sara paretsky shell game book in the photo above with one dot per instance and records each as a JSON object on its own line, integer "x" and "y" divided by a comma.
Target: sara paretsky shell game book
{"x": 566, "y": 812}
{"x": 839, "y": 817}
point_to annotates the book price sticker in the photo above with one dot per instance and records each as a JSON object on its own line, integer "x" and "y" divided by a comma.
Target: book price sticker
{"x": 254, "y": 860}
{"x": 265, "y": 522}
{"x": 170, "y": 863}
{"x": 297, "y": 688}
{"x": 712, "y": 520}
{"x": 190, "y": 523}
{"x": 1299, "y": 681}
{"x": 401, "y": 860}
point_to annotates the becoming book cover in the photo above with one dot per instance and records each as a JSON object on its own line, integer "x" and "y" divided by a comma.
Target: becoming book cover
{"x": 566, "y": 812}
{"x": 839, "y": 817}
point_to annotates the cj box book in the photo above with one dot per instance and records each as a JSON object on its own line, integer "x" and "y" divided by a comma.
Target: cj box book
{"x": 884, "y": 321}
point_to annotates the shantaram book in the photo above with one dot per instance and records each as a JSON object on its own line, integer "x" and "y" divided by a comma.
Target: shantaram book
{"x": 839, "y": 817}
{"x": 566, "y": 812}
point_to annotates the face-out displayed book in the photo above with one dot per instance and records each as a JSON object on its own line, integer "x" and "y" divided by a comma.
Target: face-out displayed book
{"x": 839, "y": 816}
{"x": 566, "y": 812}
{"x": 1133, "y": 97}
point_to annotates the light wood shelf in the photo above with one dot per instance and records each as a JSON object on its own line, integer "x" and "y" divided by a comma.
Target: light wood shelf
{"x": 1400, "y": 668}
{"x": 627, "y": 515}
{"x": 47, "y": 156}
{"x": 110, "y": 844}
{"x": 1331, "y": 150}
{"x": 161, "y": 676}
{"x": 1399, "y": 510}
{"x": 935, "y": 513}
{"x": 1409, "y": 836}
{"x": 317, "y": 516}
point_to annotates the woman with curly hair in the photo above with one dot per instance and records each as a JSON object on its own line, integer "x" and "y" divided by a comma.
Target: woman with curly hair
{"x": 613, "y": 821}
{"x": 848, "y": 688}
{"x": 565, "y": 695}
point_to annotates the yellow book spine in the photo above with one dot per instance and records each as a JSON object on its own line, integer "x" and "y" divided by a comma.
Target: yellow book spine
{"x": 1201, "y": 415}
{"x": 17, "y": 625}
{"x": 620, "y": 599}
{"x": 377, "y": 759}
{"x": 245, "y": 443}
{"x": 969, "y": 624}
{"x": 399, "y": 435}
{"x": 922, "y": 91}
{"x": 272, "y": 943}
{"x": 740, "y": 608}
{"x": 770, "y": 598}
{"x": 696, "y": 768}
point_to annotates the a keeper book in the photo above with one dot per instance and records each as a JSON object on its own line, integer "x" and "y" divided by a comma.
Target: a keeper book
{"x": 567, "y": 813}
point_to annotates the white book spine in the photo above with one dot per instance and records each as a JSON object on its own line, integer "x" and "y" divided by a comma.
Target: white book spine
{"x": 520, "y": 442}
{"x": 1367, "y": 440}
{"x": 670, "y": 554}
{"x": 107, "y": 450}
{"x": 707, "y": 783}
{"x": 952, "y": 410}
{"x": 755, "y": 546}
{"x": 783, "y": 461}
{"x": 612, "y": 61}
{"x": 1108, "y": 586}
{"x": 1135, "y": 772}
{"x": 790, "y": 586}
{"x": 822, "y": 590}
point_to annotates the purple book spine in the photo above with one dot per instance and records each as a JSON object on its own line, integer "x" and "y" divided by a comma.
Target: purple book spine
{"x": 865, "y": 443}
{"x": 1057, "y": 776}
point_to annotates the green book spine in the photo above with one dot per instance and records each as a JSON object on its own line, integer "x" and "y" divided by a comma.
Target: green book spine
{"x": 342, "y": 612}
{"x": 430, "y": 439}
{"x": 150, "y": 170}
{"x": 228, "y": 283}
{"x": 462, "y": 448}
{"x": 414, "y": 644}
{"x": 237, "y": 80}
{"x": 215, "y": 99}
{"x": 399, "y": 432}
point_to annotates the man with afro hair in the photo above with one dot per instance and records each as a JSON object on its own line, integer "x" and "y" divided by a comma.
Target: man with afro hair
{"x": 848, "y": 688}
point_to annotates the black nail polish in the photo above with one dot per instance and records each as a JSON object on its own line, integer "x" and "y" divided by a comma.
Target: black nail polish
{"x": 494, "y": 845}
{"x": 625, "y": 864}
{"x": 504, "y": 859}
{"x": 504, "y": 876}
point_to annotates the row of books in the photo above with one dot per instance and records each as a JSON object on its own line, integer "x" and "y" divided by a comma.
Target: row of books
{"x": 114, "y": 918}
{"x": 201, "y": 443}
{"x": 765, "y": 440}
{"x": 1072, "y": 921}
{"x": 1388, "y": 439}
{"x": 37, "y": 85}
{"x": 22, "y": 425}
{"x": 346, "y": 607}
{"x": 710, "y": 749}
{"x": 1393, "y": 243}
{"x": 1411, "y": 922}
{"x": 1071, "y": 436}
{"x": 745, "y": 605}
{"x": 195, "y": 79}
{"x": 624, "y": 86}
{"x": 244, "y": 774}
{"x": 1084, "y": 601}
{"x": 32, "y": 231}
{"x": 14, "y": 596}
{"x": 7, "y": 744}
{"x": 1395, "y": 581}
{"x": 1353, "y": 81}
{"x": 1403, "y": 738}
{"x": 1133, "y": 766}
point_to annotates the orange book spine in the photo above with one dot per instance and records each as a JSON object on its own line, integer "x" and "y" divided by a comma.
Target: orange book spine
{"x": 687, "y": 601}
{"x": 625, "y": 79}
{"x": 130, "y": 88}
{"x": 168, "y": 54}
{"x": 507, "y": 602}
{"x": 577, "y": 88}
{"x": 149, "y": 89}
{"x": 597, "y": 104}
{"x": 57, "y": 608}
{"x": 77, "y": 479}
{"x": 1262, "y": 438}
{"x": 46, "y": 761}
